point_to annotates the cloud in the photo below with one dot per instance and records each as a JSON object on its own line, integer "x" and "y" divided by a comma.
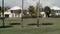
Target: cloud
{"x": 12, "y": 3}
{"x": 50, "y": 2}
{"x": 30, "y": 2}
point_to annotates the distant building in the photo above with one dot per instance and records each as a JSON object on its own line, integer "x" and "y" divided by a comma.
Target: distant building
{"x": 11, "y": 12}
{"x": 57, "y": 10}
{"x": 43, "y": 14}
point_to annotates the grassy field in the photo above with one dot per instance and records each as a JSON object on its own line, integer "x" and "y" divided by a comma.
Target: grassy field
{"x": 30, "y": 26}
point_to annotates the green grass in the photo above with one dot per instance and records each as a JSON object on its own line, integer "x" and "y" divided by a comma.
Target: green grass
{"x": 31, "y": 29}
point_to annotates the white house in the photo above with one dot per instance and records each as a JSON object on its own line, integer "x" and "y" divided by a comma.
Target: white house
{"x": 11, "y": 12}
{"x": 57, "y": 10}
{"x": 43, "y": 14}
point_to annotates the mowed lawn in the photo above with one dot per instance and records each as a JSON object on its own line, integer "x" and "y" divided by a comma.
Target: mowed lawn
{"x": 30, "y": 26}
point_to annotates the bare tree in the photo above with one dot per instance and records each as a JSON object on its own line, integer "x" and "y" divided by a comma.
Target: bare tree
{"x": 22, "y": 13}
{"x": 38, "y": 5}
{"x": 3, "y": 13}
{"x": 38, "y": 9}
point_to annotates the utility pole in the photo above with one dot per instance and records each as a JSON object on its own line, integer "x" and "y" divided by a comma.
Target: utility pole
{"x": 3, "y": 13}
{"x": 22, "y": 13}
{"x": 38, "y": 13}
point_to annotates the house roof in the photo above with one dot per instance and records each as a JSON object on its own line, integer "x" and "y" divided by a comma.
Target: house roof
{"x": 55, "y": 8}
{"x": 16, "y": 8}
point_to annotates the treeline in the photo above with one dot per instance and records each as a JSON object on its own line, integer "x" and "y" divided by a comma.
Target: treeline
{"x": 5, "y": 8}
{"x": 33, "y": 10}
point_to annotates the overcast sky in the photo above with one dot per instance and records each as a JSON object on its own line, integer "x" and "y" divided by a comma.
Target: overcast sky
{"x": 49, "y": 3}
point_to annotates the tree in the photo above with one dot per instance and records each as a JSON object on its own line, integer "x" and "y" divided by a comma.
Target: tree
{"x": 17, "y": 12}
{"x": 0, "y": 8}
{"x": 47, "y": 11}
{"x": 5, "y": 8}
{"x": 31, "y": 10}
{"x": 25, "y": 12}
{"x": 52, "y": 12}
{"x": 38, "y": 9}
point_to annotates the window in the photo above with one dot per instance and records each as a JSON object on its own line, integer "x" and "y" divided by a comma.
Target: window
{"x": 11, "y": 11}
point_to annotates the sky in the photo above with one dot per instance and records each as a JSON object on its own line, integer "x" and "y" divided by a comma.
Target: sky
{"x": 12, "y": 3}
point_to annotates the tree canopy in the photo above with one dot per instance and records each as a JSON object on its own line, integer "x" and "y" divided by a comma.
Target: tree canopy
{"x": 47, "y": 10}
{"x": 31, "y": 10}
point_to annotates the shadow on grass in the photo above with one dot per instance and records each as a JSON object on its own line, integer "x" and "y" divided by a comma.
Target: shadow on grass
{"x": 6, "y": 26}
{"x": 46, "y": 23}
{"x": 14, "y": 23}
{"x": 33, "y": 24}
